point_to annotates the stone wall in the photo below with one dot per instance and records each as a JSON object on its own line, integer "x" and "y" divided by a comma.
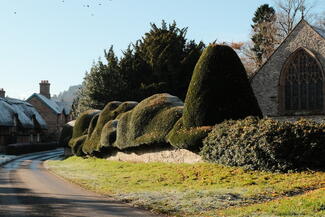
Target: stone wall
{"x": 265, "y": 83}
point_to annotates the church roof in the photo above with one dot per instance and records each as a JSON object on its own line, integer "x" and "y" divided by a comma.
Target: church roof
{"x": 56, "y": 107}
{"x": 319, "y": 31}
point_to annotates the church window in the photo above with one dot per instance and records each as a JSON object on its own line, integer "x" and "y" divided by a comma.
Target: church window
{"x": 303, "y": 83}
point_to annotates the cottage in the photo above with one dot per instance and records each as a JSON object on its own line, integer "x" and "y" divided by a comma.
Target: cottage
{"x": 56, "y": 114}
{"x": 291, "y": 83}
{"x": 19, "y": 122}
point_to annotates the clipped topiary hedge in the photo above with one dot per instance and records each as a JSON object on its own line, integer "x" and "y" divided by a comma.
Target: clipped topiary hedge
{"x": 82, "y": 123}
{"x": 108, "y": 135}
{"x": 76, "y": 145}
{"x": 66, "y": 134}
{"x": 219, "y": 89}
{"x": 267, "y": 144}
{"x": 80, "y": 131}
{"x": 187, "y": 138}
{"x": 110, "y": 112}
{"x": 149, "y": 122}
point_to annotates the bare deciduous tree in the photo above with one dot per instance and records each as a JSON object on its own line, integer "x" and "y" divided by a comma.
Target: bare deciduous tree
{"x": 320, "y": 20}
{"x": 290, "y": 12}
{"x": 246, "y": 55}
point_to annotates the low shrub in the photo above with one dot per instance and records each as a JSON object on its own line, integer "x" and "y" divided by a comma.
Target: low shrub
{"x": 187, "y": 138}
{"x": 267, "y": 144}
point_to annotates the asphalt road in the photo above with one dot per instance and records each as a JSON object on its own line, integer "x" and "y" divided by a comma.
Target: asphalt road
{"x": 28, "y": 189}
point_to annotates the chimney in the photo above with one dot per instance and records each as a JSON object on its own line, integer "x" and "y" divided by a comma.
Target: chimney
{"x": 2, "y": 93}
{"x": 44, "y": 88}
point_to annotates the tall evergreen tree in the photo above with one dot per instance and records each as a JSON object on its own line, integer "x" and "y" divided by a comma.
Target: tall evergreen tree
{"x": 171, "y": 59}
{"x": 103, "y": 83}
{"x": 162, "y": 61}
{"x": 264, "y": 33}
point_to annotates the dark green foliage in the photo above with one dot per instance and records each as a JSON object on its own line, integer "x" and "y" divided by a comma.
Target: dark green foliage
{"x": 267, "y": 144}
{"x": 162, "y": 61}
{"x": 82, "y": 123}
{"x": 149, "y": 122}
{"x": 80, "y": 131}
{"x": 66, "y": 134}
{"x": 77, "y": 144}
{"x": 110, "y": 112}
{"x": 264, "y": 33}
{"x": 219, "y": 89}
{"x": 170, "y": 59}
{"x": 264, "y": 13}
{"x": 92, "y": 124}
{"x": 187, "y": 138}
{"x": 104, "y": 83}
{"x": 108, "y": 135}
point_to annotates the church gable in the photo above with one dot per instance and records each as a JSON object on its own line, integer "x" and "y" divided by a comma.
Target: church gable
{"x": 302, "y": 52}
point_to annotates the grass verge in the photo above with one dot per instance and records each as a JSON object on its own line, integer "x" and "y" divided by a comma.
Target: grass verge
{"x": 203, "y": 189}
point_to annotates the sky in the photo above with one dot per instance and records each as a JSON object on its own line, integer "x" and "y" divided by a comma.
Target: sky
{"x": 58, "y": 40}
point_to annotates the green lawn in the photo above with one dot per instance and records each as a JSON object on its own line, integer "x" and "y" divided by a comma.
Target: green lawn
{"x": 203, "y": 189}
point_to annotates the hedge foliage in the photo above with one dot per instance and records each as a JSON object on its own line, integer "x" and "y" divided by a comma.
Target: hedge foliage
{"x": 66, "y": 134}
{"x": 110, "y": 112}
{"x": 82, "y": 123}
{"x": 187, "y": 138}
{"x": 149, "y": 122}
{"x": 267, "y": 144}
{"x": 80, "y": 130}
{"x": 219, "y": 89}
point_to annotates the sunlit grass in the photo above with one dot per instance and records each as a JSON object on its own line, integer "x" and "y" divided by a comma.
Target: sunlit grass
{"x": 183, "y": 188}
{"x": 309, "y": 204}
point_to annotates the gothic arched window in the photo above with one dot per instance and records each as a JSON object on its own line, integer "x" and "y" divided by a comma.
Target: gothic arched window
{"x": 302, "y": 84}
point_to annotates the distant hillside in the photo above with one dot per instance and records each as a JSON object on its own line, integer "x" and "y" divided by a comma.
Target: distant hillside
{"x": 67, "y": 96}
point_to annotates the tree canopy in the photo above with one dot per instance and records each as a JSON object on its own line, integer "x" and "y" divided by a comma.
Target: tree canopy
{"x": 161, "y": 61}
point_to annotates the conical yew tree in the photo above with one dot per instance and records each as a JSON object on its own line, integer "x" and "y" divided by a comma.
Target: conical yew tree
{"x": 219, "y": 89}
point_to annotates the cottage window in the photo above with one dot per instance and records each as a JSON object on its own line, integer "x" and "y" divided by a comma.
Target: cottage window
{"x": 302, "y": 84}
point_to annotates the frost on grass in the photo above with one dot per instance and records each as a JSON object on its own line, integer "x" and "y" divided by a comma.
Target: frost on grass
{"x": 189, "y": 202}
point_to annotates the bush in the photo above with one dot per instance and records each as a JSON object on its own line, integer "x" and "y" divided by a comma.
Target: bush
{"x": 267, "y": 144}
{"x": 80, "y": 131}
{"x": 82, "y": 123}
{"x": 187, "y": 138}
{"x": 149, "y": 122}
{"x": 111, "y": 111}
{"x": 66, "y": 134}
{"x": 76, "y": 145}
{"x": 92, "y": 124}
{"x": 108, "y": 135}
{"x": 219, "y": 89}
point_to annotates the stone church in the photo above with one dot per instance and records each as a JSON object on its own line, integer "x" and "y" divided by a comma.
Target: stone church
{"x": 291, "y": 83}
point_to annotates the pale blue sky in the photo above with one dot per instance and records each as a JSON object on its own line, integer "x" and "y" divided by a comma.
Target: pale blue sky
{"x": 58, "y": 40}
